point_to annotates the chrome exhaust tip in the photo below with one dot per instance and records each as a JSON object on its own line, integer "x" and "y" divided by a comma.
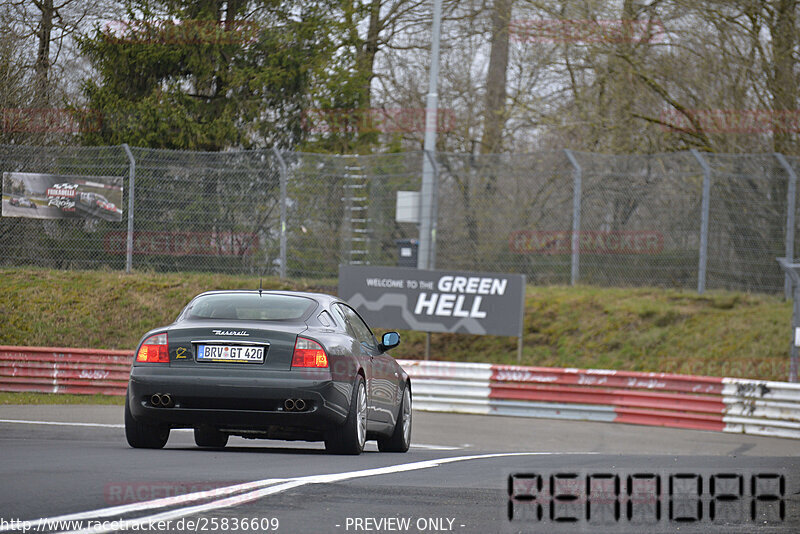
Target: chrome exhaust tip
{"x": 289, "y": 405}
{"x": 166, "y": 400}
{"x": 299, "y": 405}
{"x": 155, "y": 400}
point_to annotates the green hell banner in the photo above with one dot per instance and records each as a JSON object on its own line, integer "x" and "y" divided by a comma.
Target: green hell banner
{"x": 435, "y": 301}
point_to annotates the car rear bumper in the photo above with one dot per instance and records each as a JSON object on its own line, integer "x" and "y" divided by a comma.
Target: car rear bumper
{"x": 239, "y": 401}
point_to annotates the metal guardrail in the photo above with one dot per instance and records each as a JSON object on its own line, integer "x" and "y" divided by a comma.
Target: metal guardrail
{"x": 656, "y": 399}
{"x": 60, "y": 370}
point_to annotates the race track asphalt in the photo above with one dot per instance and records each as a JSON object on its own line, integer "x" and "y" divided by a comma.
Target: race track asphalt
{"x": 464, "y": 473}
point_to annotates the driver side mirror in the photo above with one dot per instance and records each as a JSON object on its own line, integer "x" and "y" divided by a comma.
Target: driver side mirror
{"x": 389, "y": 341}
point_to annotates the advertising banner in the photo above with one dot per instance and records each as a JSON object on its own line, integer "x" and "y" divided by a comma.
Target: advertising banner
{"x": 435, "y": 301}
{"x": 184, "y": 243}
{"x": 55, "y": 196}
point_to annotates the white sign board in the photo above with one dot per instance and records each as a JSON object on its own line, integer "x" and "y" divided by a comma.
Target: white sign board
{"x": 407, "y": 207}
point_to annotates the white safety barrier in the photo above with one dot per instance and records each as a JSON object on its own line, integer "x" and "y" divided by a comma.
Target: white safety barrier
{"x": 698, "y": 402}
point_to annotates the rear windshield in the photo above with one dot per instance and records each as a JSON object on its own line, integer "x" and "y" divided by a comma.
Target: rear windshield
{"x": 249, "y": 306}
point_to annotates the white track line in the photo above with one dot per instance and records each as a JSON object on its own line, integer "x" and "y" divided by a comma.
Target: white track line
{"x": 59, "y": 423}
{"x": 263, "y": 488}
{"x": 152, "y": 505}
{"x": 301, "y": 481}
{"x": 68, "y": 423}
{"x": 435, "y": 447}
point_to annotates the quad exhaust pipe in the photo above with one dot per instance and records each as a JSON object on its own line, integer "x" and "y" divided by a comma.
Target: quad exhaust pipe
{"x": 294, "y": 405}
{"x": 162, "y": 399}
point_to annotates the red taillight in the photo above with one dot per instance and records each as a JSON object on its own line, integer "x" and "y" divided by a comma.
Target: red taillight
{"x": 154, "y": 350}
{"x": 308, "y": 353}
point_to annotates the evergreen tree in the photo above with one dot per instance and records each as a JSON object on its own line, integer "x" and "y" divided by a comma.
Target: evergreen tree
{"x": 206, "y": 74}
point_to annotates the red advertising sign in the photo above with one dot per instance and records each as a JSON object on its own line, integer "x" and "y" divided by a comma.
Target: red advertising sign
{"x": 184, "y": 243}
{"x": 589, "y": 242}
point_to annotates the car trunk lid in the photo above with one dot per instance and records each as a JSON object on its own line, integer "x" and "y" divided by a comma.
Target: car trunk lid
{"x": 233, "y": 344}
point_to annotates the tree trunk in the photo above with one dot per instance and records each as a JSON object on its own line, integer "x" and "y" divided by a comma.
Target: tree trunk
{"x": 41, "y": 67}
{"x": 494, "y": 113}
{"x": 621, "y": 79}
{"x": 370, "y": 50}
{"x": 783, "y": 83}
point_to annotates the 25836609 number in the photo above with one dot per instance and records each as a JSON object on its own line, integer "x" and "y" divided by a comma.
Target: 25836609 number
{"x": 236, "y": 524}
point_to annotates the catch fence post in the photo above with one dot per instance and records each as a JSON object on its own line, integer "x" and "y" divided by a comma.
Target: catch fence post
{"x": 704, "y": 215}
{"x": 131, "y": 190}
{"x": 434, "y": 208}
{"x": 284, "y": 171}
{"x": 577, "y": 184}
{"x": 791, "y": 201}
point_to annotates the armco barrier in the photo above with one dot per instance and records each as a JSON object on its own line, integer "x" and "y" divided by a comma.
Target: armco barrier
{"x": 57, "y": 370}
{"x": 656, "y": 399}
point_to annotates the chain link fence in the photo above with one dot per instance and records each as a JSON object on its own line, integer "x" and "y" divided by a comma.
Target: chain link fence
{"x": 640, "y": 219}
{"x": 506, "y": 213}
{"x": 683, "y": 220}
{"x": 204, "y": 211}
{"x": 341, "y": 209}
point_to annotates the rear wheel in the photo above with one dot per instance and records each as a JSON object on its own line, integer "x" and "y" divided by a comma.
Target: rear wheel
{"x": 143, "y": 435}
{"x": 351, "y": 436}
{"x": 210, "y": 437}
{"x": 400, "y": 440}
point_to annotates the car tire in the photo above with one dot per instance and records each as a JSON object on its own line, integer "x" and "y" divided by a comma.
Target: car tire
{"x": 210, "y": 437}
{"x": 400, "y": 440}
{"x": 351, "y": 436}
{"x": 142, "y": 435}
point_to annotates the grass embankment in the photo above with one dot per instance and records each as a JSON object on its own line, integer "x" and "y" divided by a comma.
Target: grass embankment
{"x": 642, "y": 329}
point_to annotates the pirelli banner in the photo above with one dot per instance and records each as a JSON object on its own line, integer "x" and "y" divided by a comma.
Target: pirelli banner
{"x": 435, "y": 301}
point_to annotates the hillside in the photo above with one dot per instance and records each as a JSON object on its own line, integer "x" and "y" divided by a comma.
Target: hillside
{"x": 644, "y": 329}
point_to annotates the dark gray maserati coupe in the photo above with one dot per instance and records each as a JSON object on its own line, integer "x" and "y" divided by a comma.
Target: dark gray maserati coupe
{"x": 271, "y": 365}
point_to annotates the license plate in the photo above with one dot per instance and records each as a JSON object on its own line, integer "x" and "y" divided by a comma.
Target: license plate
{"x": 229, "y": 353}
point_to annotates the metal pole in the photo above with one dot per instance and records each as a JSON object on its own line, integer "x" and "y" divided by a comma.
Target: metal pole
{"x": 284, "y": 171}
{"x": 522, "y": 323}
{"x": 791, "y": 199}
{"x": 431, "y": 108}
{"x": 427, "y": 229}
{"x": 577, "y": 184}
{"x": 706, "y": 202}
{"x": 791, "y": 270}
{"x": 795, "y": 326}
{"x": 434, "y": 208}
{"x": 131, "y": 189}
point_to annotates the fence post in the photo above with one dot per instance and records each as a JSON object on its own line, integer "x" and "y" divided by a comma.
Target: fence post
{"x": 577, "y": 184}
{"x": 284, "y": 171}
{"x": 131, "y": 189}
{"x": 434, "y": 208}
{"x": 706, "y": 202}
{"x": 792, "y": 271}
{"x": 790, "y": 216}
{"x": 793, "y": 359}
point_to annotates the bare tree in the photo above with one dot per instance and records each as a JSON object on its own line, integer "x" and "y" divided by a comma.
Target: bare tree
{"x": 495, "y": 110}
{"x": 13, "y": 79}
{"x": 45, "y": 62}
